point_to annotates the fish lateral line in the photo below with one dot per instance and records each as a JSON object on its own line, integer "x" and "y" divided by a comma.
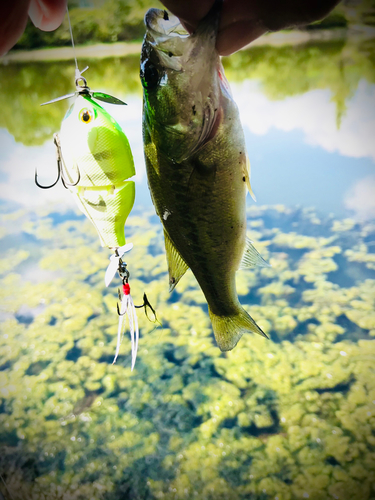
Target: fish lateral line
{"x": 110, "y": 188}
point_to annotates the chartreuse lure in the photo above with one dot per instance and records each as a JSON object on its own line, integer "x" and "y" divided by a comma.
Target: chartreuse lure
{"x": 95, "y": 163}
{"x": 94, "y": 147}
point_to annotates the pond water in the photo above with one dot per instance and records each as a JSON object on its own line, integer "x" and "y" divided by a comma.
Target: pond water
{"x": 288, "y": 418}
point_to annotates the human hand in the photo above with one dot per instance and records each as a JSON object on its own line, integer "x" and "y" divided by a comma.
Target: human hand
{"x": 45, "y": 14}
{"x": 242, "y": 21}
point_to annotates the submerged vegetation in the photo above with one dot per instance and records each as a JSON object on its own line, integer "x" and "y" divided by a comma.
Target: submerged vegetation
{"x": 282, "y": 419}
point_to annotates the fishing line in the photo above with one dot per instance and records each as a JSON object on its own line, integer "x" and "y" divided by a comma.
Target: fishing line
{"x": 72, "y": 39}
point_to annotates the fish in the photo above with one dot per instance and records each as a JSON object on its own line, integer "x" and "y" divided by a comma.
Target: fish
{"x": 197, "y": 165}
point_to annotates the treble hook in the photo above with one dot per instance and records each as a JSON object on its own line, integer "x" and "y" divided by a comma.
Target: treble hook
{"x": 51, "y": 186}
{"x": 124, "y": 275}
{"x": 66, "y": 184}
{"x": 61, "y": 163}
{"x": 60, "y": 170}
{"x": 146, "y": 304}
{"x": 118, "y": 309}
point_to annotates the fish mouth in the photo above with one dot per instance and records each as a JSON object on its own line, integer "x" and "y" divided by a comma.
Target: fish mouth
{"x": 167, "y": 36}
{"x": 163, "y": 26}
{"x": 174, "y": 45}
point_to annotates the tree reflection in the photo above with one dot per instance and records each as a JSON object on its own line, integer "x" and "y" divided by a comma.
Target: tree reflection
{"x": 24, "y": 87}
{"x": 283, "y": 72}
{"x": 291, "y": 70}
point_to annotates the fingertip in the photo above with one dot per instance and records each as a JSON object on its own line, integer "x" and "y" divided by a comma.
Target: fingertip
{"x": 189, "y": 13}
{"x": 47, "y": 15}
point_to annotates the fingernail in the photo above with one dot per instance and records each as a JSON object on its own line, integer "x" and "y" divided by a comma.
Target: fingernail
{"x": 35, "y": 13}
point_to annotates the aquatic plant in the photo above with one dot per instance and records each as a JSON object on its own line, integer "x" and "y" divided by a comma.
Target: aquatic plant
{"x": 287, "y": 418}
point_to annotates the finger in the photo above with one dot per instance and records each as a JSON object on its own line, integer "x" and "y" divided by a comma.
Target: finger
{"x": 189, "y": 13}
{"x": 13, "y": 19}
{"x": 47, "y": 15}
{"x": 240, "y": 24}
{"x": 237, "y": 35}
{"x": 278, "y": 15}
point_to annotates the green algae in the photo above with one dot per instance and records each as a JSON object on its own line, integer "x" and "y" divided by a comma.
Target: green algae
{"x": 287, "y": 418}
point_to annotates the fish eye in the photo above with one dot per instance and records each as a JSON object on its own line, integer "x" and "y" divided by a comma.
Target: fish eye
{"x": 149, "y": 75}
{"x": 86, "y": 115}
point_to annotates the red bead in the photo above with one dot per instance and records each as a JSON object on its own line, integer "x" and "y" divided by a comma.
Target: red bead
{"x": 126, "y": 288}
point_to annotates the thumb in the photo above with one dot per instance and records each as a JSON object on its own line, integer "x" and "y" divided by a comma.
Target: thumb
{"x": 13, "y": 19}
{"x": 47, "y": 15}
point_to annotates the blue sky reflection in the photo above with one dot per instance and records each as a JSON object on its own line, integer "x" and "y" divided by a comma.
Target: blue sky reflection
{"x": 298, "y": 155}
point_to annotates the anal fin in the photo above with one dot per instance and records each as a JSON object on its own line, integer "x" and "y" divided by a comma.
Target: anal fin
{"x": 246, "y": 173}
{"x": 251, "y": 257}
{"x": 177, "y": 267}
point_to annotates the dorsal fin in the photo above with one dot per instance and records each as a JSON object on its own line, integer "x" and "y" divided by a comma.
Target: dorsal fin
{"x": 251, "y": 257}
{"x": 177, "y": 267}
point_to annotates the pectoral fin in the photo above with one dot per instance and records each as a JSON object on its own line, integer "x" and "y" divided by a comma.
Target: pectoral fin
{"x": 211, "y": 120}
{"x": 246, "y": 173}
{"x": 177, "y": 267}
{"x": 251, "y": 257}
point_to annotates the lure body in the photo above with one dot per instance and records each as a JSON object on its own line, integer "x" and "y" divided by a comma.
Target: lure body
{"x": 94, "y": 147}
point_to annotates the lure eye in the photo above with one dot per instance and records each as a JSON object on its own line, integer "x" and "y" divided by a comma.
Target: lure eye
{"x": 86, "y": 115}
{"x": 149, "y": 75}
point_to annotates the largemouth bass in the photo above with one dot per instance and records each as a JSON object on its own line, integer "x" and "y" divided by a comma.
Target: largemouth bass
{"x": 197, "y": 165}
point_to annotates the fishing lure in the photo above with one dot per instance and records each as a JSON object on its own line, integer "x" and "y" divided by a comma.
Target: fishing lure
{"x": 95, "y": 162}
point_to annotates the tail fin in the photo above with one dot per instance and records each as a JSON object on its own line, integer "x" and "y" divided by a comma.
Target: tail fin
{"x": 229, "y": 329}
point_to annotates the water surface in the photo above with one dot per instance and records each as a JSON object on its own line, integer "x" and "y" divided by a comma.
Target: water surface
{"x": 287, "y": 418}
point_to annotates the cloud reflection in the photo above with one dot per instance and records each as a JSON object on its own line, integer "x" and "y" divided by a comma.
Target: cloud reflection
{"x": 361, "y": 198}
{"x": 315, "y": 114}
{"x": 18, "y": 162}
